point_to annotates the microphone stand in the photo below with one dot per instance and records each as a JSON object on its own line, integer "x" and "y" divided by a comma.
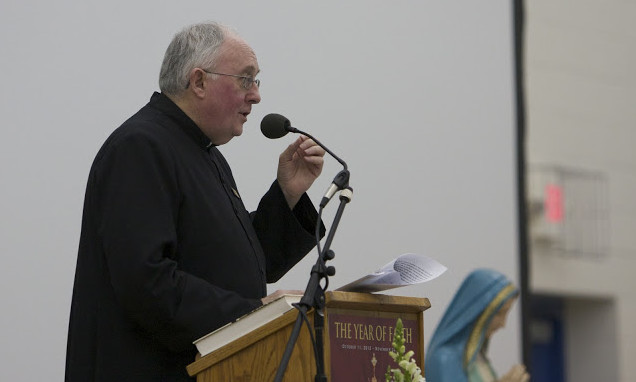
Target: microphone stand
{"x": 314, "y": 296}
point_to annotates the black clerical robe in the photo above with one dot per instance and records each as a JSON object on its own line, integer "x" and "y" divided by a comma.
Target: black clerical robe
{"x": 168, "y": 251}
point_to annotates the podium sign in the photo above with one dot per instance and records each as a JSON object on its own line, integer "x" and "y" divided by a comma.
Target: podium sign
{"x": 359, "y": 344}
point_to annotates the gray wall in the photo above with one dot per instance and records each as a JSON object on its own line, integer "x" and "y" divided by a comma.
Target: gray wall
{"x": 417, "y": 97}
{"x": 581, "y": 92}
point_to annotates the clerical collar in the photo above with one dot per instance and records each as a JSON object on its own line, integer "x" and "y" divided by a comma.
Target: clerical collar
{"x": 164, "y": 104}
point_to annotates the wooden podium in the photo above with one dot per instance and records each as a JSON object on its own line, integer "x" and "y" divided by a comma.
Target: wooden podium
{"x": 357, "y": 337}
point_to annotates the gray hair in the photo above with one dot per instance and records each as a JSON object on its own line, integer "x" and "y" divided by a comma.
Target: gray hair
{"x": 194, "y": 46}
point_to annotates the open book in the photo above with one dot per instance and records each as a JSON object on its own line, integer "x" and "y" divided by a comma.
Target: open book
{"x": 245, "y": 324}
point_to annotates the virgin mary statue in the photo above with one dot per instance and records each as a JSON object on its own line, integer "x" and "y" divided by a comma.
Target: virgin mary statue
{"x": 458, "y": 348}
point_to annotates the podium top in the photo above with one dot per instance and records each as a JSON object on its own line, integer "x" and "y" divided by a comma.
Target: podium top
{"x": 376, "y": 302}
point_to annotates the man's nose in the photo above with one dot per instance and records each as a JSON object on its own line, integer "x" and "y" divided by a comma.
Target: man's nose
{"x": 253, "y": 95}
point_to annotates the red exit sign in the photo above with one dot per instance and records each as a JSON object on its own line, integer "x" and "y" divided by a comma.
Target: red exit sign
{"x": 554, "y": 203}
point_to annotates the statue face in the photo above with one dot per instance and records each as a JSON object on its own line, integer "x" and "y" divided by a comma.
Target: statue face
{"x": 499, "y": 319}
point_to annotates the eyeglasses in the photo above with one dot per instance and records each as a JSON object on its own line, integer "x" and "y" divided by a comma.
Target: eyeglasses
{"x": 246, "y": 81}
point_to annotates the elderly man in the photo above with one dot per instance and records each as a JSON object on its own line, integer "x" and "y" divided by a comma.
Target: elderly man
{"x": 168, "y": 251}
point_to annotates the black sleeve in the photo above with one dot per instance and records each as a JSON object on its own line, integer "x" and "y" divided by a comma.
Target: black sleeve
{"x": 286, "y": 235}
{"x": 139, "y": 200}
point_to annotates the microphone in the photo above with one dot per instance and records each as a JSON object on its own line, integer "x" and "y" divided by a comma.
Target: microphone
{"x": 276, "y": 126}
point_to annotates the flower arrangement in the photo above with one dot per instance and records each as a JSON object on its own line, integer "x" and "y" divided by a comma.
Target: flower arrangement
{"x": 407, "y": 370}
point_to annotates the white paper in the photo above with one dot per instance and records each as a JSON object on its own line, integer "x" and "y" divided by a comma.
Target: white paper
{"x": 406, "y": 269}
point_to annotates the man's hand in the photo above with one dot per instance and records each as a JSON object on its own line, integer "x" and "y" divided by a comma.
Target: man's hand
{"x": 298, "y": 166}
{"x": 279, "y": 293}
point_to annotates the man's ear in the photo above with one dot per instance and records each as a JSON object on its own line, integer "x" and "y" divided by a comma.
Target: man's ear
{"x": 198, "y": 82}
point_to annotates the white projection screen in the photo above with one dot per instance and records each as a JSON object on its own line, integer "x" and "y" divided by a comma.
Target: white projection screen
{"x": 417, "y": 96}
